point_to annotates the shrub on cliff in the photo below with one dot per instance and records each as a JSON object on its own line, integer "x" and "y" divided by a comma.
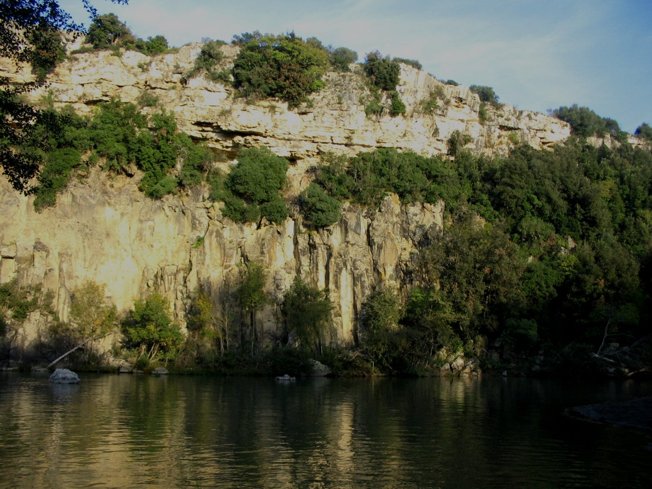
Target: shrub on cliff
{"x": 585, "y": 122}
{"x": 382, "y": 71}
{"x": 341, "y": 58}
{"x": 486, "y": 94}
{"x": 108, "y": 31}
{"x": 208, "y": 60}
{"x": 253, "y": 187}
{"x": 318, "y": 208}
{"x": 644, "y": 131}
{"x": 285, "y": 67}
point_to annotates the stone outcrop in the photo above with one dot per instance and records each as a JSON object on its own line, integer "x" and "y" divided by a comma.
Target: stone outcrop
{"x": 104, "y": 230}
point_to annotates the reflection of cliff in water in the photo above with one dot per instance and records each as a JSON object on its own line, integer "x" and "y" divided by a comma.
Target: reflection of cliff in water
{"x": 124, "y": 431}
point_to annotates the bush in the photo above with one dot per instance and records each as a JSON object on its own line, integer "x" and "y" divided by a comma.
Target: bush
{"x": 410, "y": 62}
{"x": 382, "y": 71}
{"x": 456, "y": 142}
{"x": 341, "y": 58}
{"x": 586, "y": 123}
{"x": 485, "y": 93}
{"x": 254, "y": 184}
{"x": 209, "y": 58}
{"x": 285, "y": 67}
{"x": 48, "y": 52}
{"x": 397, "y": 106}
{"x": 54, "y": 176}
{"x": 108, "y": 31}
{"x": 150, "y": 331}
{"x": 307, "y": 310}
{"x": 379, "y": 323}
{"x": 318, "y": 208}
{"x": 452, "y": 83}
{"x": 153, "y": 45}
{"x": 644, "y": 131}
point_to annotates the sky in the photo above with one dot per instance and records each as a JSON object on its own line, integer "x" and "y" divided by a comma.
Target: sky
{"x": 536, "y": 54}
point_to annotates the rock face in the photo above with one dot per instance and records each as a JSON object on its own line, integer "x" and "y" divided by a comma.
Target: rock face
{"x": 104, "y": 230}
{"x": 334, "y": 120}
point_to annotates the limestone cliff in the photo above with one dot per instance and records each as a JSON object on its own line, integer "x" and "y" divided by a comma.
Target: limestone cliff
{"x": 103, "y": 229}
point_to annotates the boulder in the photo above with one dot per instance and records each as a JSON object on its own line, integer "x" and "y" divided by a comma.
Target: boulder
{"x": 318, "y": 369}
{"x": 160, "y": 371}
{"x": 64, "y": 376}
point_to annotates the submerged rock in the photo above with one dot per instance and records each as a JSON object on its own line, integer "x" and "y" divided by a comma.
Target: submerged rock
{"x": 634, "y": 413}
{"x": 64, "y": 376}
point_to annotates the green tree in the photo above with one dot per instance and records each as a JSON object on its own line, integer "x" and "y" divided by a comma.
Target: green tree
{"x": 91, "y": 314}
{"x": 318, "y": 208}
{"x": 307, "y": 310}
{"x": 644, "y": 131}
{"x": 251, "y": 296}
{"x": 285, "y": 67}
{"x": 108, "y": 31}
{"x": 255, "y": 184}
{"x": 486, "y": 94}
{"x": 342, "y": 57}
{"x": 379, "y": 324}
{"x": 149, "y": 330}
{"x": 382, "y": 71}
{"x": 26, "y": 35}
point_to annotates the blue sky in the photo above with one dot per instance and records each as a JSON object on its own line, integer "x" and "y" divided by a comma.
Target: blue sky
{"x": 536, "y": 54}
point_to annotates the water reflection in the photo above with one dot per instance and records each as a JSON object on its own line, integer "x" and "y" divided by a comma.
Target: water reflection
{"x": 129, "y": 431}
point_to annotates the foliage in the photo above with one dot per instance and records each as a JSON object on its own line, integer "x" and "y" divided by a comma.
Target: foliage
{"x": 152, "y": 46}
{"x": 644, "y": 131}
{"x": 285, "y": 67}
{"x": 27, "y": 34}
{"x": 382, "y": 71}
{"x": 456, "y": 142}
{"x": 366, "y": 178}
{"x": 341, "y": 58}
{"x": 318, "y": 208}
{"x": 452, "y": 83}
{"x": 307, "y": 311}
{"x": 108, "y": 31}
{"x": 482, "y": 113}
{"x": 48, "y": 52}
{"x": 397, "y": 106}
{"x": 122, "y": 138}
{"x": 379, "y": 323}
{"x": 486, "y": 94}
{"x": 431, "y": 103}
{"x": 253, "y": 187}
{"x": 149, "y": 330}
{"x": 251, "y": 296}
{"x": 209, "y": 58}
{"x": 585, "y": 123}
{"x": 410, "y": 62}
{"x": 90, "y": 313}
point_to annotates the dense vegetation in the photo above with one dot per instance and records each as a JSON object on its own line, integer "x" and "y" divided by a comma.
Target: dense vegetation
{"x": 384, "y": 75}
{"x": 120, "y": 138}
{"x": 285, "y": 67}
{"x": 586, "y": 123}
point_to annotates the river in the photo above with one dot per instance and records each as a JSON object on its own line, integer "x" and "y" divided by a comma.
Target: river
{"x": 137, "y": 431}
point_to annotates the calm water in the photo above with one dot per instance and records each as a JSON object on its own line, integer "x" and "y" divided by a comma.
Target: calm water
{"x": 130, "y": 431}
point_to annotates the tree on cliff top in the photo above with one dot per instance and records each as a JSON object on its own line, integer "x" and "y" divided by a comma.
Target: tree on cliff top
{"x": 28, "y": 34}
